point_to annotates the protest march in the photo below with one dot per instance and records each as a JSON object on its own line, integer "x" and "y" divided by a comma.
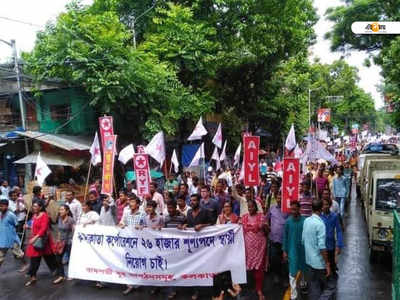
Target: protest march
{"x": 218, "y": 224}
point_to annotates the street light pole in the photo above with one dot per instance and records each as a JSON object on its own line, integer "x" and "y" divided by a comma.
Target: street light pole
{"x": 13, "y": 45}
{"x": 309, "y": 109}
{"x": 135, "y": 19}
{"x": 18, "y": 75}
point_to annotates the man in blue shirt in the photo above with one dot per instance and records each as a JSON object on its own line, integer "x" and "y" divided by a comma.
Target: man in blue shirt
{"x": 334, "y": 236}
{"x": 319, "y": 270}
{"x": 340, "y": 189}
{"x": 8, "y": 234}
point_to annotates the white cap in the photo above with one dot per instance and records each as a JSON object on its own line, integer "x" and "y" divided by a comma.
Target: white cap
{"x": 210, "y": 169}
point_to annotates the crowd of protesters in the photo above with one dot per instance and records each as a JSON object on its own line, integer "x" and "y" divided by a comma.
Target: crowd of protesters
{"x": 309, "y": 239}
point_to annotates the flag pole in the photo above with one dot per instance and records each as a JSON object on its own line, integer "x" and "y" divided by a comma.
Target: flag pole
{"x": 87, "y": 182}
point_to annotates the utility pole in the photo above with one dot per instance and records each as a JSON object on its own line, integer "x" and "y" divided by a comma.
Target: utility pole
{"x": 22, "y": 108}
{"x": 133, "y": 21}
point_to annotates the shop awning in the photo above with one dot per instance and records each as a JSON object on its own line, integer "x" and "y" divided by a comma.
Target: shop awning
{"x": 52, "y": 159}
{"x": 66, "y": 142}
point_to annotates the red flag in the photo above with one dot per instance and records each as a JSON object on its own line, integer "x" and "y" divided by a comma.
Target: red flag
{"x": 108, "y": 164}
{"x": 106, "y": 127}
{"x": 142, "y": 171}
{"x": 290, "y": 182}
{"x": 251, "y": 151}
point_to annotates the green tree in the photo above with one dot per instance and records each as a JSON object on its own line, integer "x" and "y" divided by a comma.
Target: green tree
{"x": 383, "y": 49}
{"x": 93, "y": 50}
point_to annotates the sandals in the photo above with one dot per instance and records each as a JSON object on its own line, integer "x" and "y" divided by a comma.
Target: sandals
{"x": 195, "y": 296}
{"x": 30, "y": 282}
{"x": 172, "y": 296}
{"x": 23, "y": 269}
{"x": 99, "y": 285}
{"x": 128, "y": 291}
{"x": 58, "y": 280}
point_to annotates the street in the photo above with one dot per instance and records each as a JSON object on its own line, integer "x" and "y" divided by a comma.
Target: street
{"x": 358, "y": 278}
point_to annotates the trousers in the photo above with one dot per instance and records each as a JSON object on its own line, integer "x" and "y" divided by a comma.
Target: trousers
{"x": 320, "y": 286}
{"x": 50, "y": 260}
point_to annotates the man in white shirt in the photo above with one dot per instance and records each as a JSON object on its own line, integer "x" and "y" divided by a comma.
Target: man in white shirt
{"x": 194, "y": 186}
{"x": 4, "y": 189}
{"x": 227, "y": 176}
{"x": 74, "y": 205}
{"x": 157, "y": 197}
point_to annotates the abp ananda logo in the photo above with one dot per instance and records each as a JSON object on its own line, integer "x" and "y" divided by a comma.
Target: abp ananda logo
{"x": 375, "y": 27}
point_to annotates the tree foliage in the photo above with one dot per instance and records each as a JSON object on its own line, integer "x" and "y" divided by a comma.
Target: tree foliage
{"x": 384, "y": 49}
{"x": 90, "y": 50}
{"x": 245, "y": 60}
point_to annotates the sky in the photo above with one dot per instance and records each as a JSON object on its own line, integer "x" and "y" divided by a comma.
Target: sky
{"x": 38, "y": 14}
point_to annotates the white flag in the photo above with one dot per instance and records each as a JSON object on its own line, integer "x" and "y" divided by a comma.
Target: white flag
{"x": 222, "y": 157}
{"x": 215, "y": 156}
{"x": 291, "y": 139}
{"x": 199, "y": 155}
{"x": 175, "y": 162}
{"x": 236, "y": 159}
{"x": 126, "y": 154}
{"x": 298, "y": 152}
{"x": 95, "y": 151}
{"x": 217, "y": 140}
{"x": 198, "y": 131}
{"x": 241, "y": 175}
{"x": 42, "y": 170}
{"x": 156, "y": 148}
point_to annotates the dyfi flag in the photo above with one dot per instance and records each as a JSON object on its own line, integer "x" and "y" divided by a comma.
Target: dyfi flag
{"x": 217, "y": 140}
{"x": 156, "y": 148}
{"x": 126, "y": 154}
{"x": 42, "y": 170}
{"x": 291, "y": 140}
{"x": 95, "y": 151}
{"x": 215, "y": 156}
{"x": 298, "y": 152}
{"x": 175, "y": 162}
{"x": 198, "y": 131}
{"x": 222, "y": 157}
{"x": 199, "y": 155}
{"x": 236, "y": 158}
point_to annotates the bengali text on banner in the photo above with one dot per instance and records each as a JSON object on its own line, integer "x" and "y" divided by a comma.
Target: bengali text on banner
{"x": 169, "y": 257}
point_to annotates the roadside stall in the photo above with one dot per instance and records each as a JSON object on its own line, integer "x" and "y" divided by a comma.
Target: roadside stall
{"x": 66, "y": 156}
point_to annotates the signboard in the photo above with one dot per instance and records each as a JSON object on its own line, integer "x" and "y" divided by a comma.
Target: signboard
{"x": 167, "y": 257}
{"x": 142, "y": 170}
{"x": 290, "y": 182}
{"x": 108, "y": 164}
{"x": 106, "y": 128}
{"x": 324, "y": 115}
{"x": 250, "y": 160}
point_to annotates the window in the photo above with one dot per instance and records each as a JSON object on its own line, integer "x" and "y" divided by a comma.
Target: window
{"x": 60, "y": 112}
{"x": 387, "y": 194}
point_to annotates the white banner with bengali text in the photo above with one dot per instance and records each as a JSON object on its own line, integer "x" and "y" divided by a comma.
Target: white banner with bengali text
{"x": 169, "y": 257}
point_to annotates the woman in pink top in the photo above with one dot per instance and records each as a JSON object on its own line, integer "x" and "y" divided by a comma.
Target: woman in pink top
{"x": 254, "y": 228}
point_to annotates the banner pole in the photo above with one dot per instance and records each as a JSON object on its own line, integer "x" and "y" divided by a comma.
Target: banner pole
{"x": 87, "y": 182}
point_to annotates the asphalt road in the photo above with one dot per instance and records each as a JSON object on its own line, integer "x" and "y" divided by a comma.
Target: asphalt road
{"x": 358, "y": 279}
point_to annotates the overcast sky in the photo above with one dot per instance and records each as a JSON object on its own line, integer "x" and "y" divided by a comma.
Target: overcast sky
{"x": 40, "y": 11}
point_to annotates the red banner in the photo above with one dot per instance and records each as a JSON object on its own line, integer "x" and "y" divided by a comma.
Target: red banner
{"x": 290, "y": 182}
{"x": 108, "y": 164}
{"x": 250, "y": 160}
{"x": 106, "y": 128}
{"x": 142, "y": 171}
{"x": 324, "y": 115}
